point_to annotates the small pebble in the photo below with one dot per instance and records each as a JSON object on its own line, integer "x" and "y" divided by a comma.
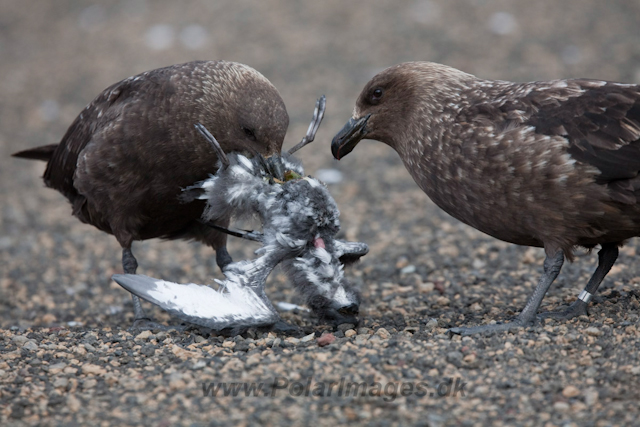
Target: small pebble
{"x": 30, "y": 345}
{"x": 73, "y": 403}
{"x": 361, "y": 339}
{"x": 144, "y": 335}
{"x": 89, "y": 383}
{"x": 426, "y": 287}
{"x": 326, "y": 339}
{"x": 402, "y": 262}
{"x": 56, "y": 368}
{"x": 93, "y": 369}
{"x": 254, "y": 360}
{"x": 455, "y": 358}
{"x": 200, "y": 364}
{"x": 308, "y": 338}
{"x": 593, "y": 331}
{"x": 561, "y": 406}
{"x": 409, "y": 269}
{"x": 19, "y": 340}
{"x": 431, "y": 324}
{"x": 591, "y": 396}
{"x": 570, "y": 391}
{"x": 383, "y": 333}
{"x": 344, "y": 326}
{"x": 60, "y": 382}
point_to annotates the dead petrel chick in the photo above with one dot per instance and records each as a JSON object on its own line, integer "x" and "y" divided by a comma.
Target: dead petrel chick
{"x": 299, "y": 220}
{"x": 125, "y": 159}
{"x": 550, "y": 164}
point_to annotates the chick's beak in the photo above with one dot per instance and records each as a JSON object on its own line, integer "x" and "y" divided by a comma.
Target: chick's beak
{"x": 342, "y": 315}
{"x": 347, "y": 139}
{"x": 334, "y": 314}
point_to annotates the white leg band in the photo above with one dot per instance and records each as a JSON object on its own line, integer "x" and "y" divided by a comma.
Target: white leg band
{"x": 585, "y": 296}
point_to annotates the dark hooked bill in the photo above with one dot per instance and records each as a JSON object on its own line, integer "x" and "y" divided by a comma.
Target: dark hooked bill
{"x": 347, "y": 139}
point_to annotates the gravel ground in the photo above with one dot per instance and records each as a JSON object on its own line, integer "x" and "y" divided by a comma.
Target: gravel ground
{"x": 66, "y": 356}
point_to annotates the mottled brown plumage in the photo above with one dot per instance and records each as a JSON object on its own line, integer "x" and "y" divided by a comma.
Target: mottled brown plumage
{"x": 126, "y": 157}
{"x": 551, "y": 164}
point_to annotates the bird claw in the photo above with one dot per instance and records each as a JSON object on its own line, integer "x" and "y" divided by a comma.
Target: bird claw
{"x": 576, "y": 309}
{"x": 489, "y": 329}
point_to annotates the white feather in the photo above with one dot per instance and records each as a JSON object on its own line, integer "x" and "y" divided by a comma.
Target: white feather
{"x": 233, "y": 303}
{"x": 246, "y": 163}
{"x": 341, "y": 297}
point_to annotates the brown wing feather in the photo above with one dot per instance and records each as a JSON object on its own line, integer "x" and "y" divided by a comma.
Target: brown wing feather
{"x": 600, "y": 120}
{"x": 602, "y": 125}
{"x": 62, "y": 165}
